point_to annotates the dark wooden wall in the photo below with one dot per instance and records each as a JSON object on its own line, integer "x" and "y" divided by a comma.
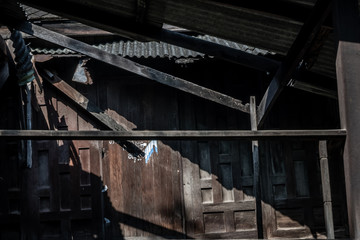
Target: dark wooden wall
{"x": 201, "y": 189}
{"x": 10, "y": 166}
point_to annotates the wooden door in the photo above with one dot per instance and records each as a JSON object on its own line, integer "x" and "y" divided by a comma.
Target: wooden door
{"x": 218, "y": 179}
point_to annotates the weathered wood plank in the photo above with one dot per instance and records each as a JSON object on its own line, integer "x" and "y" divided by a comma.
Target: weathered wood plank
{"x": 256, "y": 167}
{"x": 295, "y": 54}
{"x": 133, "y": 67}
{"x": 175, "y": 135}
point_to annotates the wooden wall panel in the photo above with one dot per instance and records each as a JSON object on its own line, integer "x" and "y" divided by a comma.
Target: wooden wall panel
{"x": 11, "y": 183}
{"x": 144, "y": 191}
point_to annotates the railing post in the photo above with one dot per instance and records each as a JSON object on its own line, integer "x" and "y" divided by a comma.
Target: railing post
{"x": 326, "y": 189}
{"x": 256, "y": 166}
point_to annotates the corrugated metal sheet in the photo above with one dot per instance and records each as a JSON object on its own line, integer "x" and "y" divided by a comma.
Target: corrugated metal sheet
{"x": 153, "y": 49}
{"x": 34, "y": 14}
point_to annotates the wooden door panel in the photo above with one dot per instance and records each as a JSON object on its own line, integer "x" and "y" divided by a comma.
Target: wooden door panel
{"x": 218, "y": 182}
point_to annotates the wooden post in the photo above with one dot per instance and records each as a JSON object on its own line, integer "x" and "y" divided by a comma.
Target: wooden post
{"x": 326, "y": 189}
{"x": 256, "y": 166}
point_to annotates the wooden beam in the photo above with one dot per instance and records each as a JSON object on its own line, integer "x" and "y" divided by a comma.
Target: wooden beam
{"x": 256, "y": 167}
{"x": 175, "y": 135}
{"x": 295, "y": 54}
{"x": 133, "y": 67}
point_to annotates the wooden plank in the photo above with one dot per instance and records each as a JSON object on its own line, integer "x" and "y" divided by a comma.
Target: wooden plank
{"x": 326, "y": 189}
{"x": 133, "y": 67}
{"x": 256, "y": 167}
{"x": 193, "y": 220}
{"x": 174, "y": 135}
{"x": 295, "y": 54}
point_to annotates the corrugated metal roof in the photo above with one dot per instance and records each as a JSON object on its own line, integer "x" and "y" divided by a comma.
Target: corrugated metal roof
{"x": 153, "y": 49}
{"x": 34, "y": 14}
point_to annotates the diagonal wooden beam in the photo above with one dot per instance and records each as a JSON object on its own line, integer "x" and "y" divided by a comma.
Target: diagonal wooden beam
{"x": 90, "y": 108}
{"x": 82, "y": 102}
{"x": 133, "y": 67}
{"x": 295, "y": 54}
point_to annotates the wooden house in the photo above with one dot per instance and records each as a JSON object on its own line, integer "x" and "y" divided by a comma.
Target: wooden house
{"x": 179, "y": 119}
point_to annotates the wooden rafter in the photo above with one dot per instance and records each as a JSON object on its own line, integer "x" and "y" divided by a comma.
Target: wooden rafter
{"x": 295, "y": 55}
{"x": 133, "y": 67}
{"x": 175, "y": 135}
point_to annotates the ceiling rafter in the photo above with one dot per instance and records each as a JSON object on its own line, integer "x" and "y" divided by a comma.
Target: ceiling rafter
{"x": 295, "y": 55}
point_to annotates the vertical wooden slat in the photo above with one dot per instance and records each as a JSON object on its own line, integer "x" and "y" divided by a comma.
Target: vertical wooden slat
{"x": 256, "y": 166}
{"x": 326, "y": 189}
{"x": 191, "y": 181}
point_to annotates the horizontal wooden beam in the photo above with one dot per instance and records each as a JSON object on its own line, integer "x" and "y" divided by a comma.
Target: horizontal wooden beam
{"x": 175, "y": 135}
{"x": 133, "y": 67}
{"x": 295, "y": 54}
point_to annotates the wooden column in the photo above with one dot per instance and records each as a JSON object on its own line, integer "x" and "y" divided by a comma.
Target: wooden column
{"x": 346, "y": 22}
{"x": 326, "y": 190}
{"x": 256, "y": 166}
